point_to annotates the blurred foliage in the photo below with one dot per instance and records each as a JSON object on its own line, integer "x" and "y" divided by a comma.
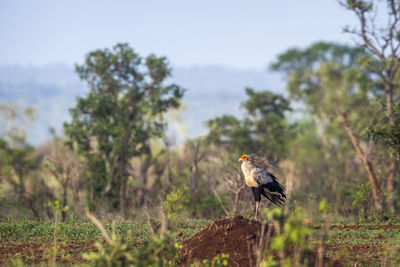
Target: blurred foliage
{"x": 174, "y": 204}
{"x": 19, "y": 161}
{"x": 292, "y": 230}
{"x": 217, "y": 261}
{"x": 157, "y": 252}
{"x": 154, "y": 252}
{"x": 362, "y": 198}
{"x": 290, "y": 239}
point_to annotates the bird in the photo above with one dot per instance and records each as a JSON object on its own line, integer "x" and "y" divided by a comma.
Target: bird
{"x": 261, "y": 182}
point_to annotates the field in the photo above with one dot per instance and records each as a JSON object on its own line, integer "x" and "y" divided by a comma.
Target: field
{"x": 365, "y": 244}
{"x": 45, "y": 243}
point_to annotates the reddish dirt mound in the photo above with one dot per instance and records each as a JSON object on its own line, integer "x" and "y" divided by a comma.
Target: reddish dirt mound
{"x": 236, "y": 237}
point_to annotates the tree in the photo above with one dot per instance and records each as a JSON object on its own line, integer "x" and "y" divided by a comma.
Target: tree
{"x": 231, "y": 133}
{"x": 193, "y": 169}
{"x": 339, "y": 92}
{"x": 17, "y": 158}
{"x": 236, "y": 185}
{"x": 267, "y": 112}
{"x": 121, "y": 113}
{"x": 66, "y": 167}
{"x": 382, "y": 40}
{"x": 386, "y": 132}
{"x": 15, "y": 123}
{"x": 263, "y": 130}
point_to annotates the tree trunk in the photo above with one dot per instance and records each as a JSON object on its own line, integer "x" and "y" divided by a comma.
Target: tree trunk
{"x": 393, "y": 163}
{"x": 389, "y": 185}
{"x": 192, "y": 181}
{"x": 21, "y": 185}
{"x": 34, "y": 211}
{"x": 64, "y": 202}
{"x": 122, "y": 197}
{"x": 75, "y": 195}
{"x": 144, "y": 172}
{"x": 236, "y": 203}
{"x": 365, "y": 162}
{"x": 389, "y": 100}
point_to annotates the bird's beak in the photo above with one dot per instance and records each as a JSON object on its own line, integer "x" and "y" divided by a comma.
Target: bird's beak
{"x": 240, "y": 159}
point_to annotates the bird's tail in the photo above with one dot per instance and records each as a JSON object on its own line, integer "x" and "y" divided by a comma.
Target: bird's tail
{"x": 278, "y": 197}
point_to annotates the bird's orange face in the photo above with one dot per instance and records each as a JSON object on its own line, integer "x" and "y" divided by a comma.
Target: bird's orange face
{"x": 244, "y": 158}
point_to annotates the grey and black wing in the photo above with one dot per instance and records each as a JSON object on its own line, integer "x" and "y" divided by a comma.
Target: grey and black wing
{"x": 270, "y": 187}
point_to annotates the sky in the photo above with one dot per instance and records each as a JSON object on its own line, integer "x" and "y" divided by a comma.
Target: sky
{"x": 237, "y": 34}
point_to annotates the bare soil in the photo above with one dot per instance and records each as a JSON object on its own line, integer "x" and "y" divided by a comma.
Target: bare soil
{"x": 35, "y": 253}
{"x": 237, "y": 237}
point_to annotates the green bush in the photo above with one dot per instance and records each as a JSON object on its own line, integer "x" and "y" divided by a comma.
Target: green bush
{"x": 290, "y": 239}
{"x": 114, "y": 254}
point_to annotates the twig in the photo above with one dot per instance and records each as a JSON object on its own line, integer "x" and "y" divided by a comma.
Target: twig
{"x": 220, "y": 201}
{"x": 148, "y": 218}
{"x": 98, "y": 224}
{"x": 264, "y": 244}
{"x": 260, "y": 245}
{"x": 164, "y": 223}
{"x": 249, "y": 253}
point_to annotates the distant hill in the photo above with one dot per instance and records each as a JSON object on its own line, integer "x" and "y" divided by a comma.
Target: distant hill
{"x": 52, "y": 90}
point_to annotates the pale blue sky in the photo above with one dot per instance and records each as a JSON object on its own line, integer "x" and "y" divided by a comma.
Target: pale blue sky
{"x": 238, "y": 34}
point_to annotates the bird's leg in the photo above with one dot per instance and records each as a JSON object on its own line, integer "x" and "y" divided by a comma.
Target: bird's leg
{"x": 257, "y": 205}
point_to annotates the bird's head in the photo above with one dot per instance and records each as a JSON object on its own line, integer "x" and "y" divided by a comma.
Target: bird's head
{"x": 244, "y": 158}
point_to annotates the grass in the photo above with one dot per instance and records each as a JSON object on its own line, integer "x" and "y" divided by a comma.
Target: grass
{"x": 36, "y": 241}
{"x": 364, "y": 244}
{"x": 86, "y": 231}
